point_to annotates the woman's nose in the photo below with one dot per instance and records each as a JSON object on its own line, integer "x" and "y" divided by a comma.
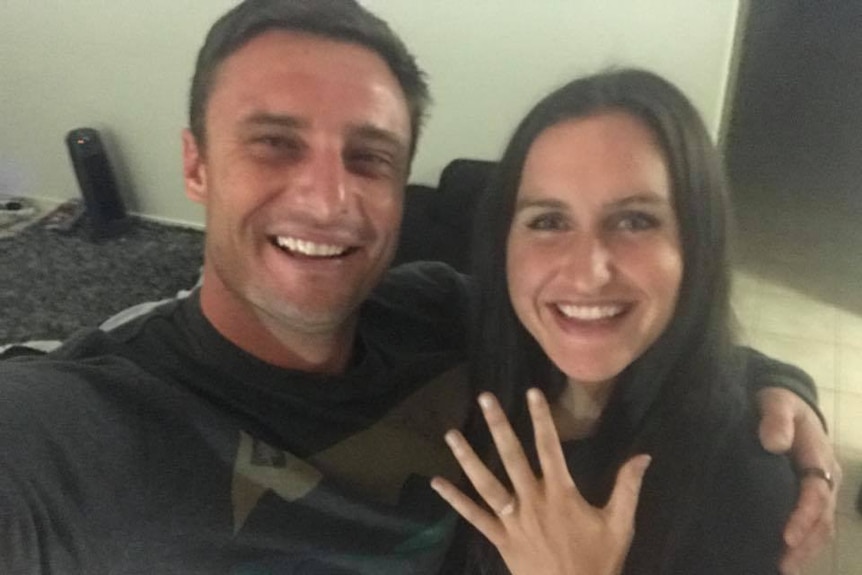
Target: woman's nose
{"x": 589, "y": 265}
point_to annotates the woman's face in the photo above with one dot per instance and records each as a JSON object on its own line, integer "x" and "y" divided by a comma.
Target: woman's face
{"x": 594, "y": 261}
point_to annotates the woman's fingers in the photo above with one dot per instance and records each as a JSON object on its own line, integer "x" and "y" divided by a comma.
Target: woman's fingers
{"x": 546, "y": 527}
{"x": 487, "y": 485}
{"x": 550, "y": 451}
{"x": 484, "y": 522}
{"x": 624, "y": 499}
{"x": 508, "y": 445}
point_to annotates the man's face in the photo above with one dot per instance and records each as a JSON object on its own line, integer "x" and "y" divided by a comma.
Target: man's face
{"x": 302, "y": 175}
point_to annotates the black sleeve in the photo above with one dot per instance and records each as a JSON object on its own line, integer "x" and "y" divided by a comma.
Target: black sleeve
{"x": 37, "y": 534}
{"x": 763, "y": 372}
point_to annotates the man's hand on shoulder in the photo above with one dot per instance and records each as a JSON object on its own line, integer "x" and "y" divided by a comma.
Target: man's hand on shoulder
{"x": 790, "y": 426}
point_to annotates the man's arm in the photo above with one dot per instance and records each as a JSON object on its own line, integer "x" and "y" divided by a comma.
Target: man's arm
{"x": 792, "y": 424}
{"x": 767, "y": 372}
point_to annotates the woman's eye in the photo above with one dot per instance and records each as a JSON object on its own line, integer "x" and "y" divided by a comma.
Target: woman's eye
{"x": 547, "y": 222}
{"x": 636, "y": 222}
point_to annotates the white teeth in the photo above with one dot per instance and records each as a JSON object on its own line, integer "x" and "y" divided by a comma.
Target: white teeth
{"x": 309, "y": 248}
{"x": 590, "y": 312}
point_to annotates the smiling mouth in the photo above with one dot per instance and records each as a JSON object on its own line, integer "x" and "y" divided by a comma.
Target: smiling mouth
{"x": 307, "y": 249}
{"x": 592, "y": 312}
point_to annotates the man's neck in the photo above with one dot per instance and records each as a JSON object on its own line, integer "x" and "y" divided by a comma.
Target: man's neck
{"x": 263, "y": 337}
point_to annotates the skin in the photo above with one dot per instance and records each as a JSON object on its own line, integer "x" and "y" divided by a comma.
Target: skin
{"x": 307, "y": 141}
{"x": 594, "y": 232}
{"x": 533, "y": 527}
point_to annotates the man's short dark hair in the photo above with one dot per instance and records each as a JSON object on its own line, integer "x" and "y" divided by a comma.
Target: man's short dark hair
{"x": 341, "y": 20}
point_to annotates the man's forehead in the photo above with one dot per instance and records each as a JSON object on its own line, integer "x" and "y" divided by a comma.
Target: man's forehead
{"x": 299, "y": 76}
{"x": 288, "y": 51}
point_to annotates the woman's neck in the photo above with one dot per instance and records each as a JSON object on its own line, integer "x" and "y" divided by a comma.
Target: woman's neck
{"x": 579, "y": 408}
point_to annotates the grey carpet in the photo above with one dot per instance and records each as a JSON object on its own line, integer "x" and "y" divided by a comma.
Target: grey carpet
{"x": 52, "y": 284}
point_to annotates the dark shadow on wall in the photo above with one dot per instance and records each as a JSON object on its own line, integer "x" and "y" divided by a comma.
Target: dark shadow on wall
{"x": 794, "y": 147}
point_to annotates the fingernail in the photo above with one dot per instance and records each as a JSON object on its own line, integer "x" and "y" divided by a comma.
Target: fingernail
{"x": 486, "y": 401}
{"x": 435, "y": 484}
{"x": 534, "y": 395}
{"x": 451, "y": 438}
{"x": 644, "y": 464}
{"x": 792, "y": 538}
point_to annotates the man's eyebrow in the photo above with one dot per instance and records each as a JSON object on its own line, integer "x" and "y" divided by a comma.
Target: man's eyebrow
{"x": 369, "y": 132}
{"x": 270, "y": 119}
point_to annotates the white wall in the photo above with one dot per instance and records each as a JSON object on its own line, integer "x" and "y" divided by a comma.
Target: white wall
{"x": 124, "y": 66}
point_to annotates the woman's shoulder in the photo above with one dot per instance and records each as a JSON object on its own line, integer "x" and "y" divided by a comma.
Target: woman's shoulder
{"x": 746, "y": 504}
{"x": 746, "y": 473}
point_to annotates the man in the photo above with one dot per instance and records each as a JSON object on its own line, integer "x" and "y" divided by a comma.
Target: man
{"x": 287, "y": 416}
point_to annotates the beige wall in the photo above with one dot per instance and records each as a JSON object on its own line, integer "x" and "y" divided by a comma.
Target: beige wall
{"x": 123, "y": 66}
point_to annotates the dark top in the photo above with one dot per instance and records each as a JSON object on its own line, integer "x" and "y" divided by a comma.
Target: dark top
{"x": 733, "y": 523}
{"x": 160, "y": 447}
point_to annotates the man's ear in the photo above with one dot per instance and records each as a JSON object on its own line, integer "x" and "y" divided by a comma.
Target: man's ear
{"x": 194, "y": 169}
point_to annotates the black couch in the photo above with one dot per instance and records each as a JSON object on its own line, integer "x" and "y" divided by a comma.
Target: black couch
{"x": 438, "y": 222}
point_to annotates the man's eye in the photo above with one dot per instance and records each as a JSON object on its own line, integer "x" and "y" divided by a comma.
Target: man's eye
{"x": 370, "y": 163}
{"x": 275, "y": 148}
{"x": 277, "y": 142}
{"x": 547, "y": 222}
{"x": 635, "y": 222}
{"x": 371, "y": 158}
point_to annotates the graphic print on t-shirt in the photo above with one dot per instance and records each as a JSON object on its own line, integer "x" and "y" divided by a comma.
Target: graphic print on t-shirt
{"x": 375, "y": 463}
{"x": 260, "y": 468}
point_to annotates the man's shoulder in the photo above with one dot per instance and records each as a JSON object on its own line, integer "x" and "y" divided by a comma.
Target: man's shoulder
{"x": 431, "y": 284}
{"x": 52, "y": 407}
{"x": 66, "y": 380}
{"x": 83, "y": 371}
{"x": 424, "y": 304}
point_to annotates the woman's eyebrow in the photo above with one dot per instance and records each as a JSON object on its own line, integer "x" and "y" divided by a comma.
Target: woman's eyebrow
{"x": 641, "y": 198}
{"x": 548, "y": 203}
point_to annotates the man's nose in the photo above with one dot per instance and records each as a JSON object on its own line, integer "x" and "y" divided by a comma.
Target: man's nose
{"x": 321, "y": 185}
{"x": 589, "y": 264}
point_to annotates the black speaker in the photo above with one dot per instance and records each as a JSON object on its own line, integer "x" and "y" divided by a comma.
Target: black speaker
{"x": 106, "y": 214}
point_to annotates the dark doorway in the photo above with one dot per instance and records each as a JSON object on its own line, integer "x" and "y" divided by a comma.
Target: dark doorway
{"x": 794, "y": 146}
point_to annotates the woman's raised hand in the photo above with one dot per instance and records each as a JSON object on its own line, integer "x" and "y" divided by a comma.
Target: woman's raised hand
{"x": 545, "y": 527}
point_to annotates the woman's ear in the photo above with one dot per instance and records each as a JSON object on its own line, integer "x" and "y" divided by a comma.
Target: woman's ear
{"x": 194, "y": 168}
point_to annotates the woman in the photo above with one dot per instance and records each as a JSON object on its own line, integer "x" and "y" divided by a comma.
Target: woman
{"x": 601, "y": 260}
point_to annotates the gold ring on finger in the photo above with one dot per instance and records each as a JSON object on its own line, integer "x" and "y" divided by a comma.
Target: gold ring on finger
{"x": 818, "y": 473}
{"x": 508, "y": 508}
